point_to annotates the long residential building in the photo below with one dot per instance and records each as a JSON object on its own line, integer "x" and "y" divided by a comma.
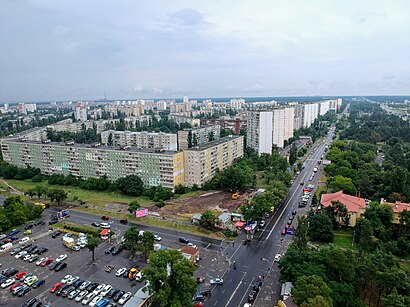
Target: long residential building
{"x": 155, "y": 167}
{"x": 198, "y": 136}
{"x": 202, "y": 162}
{"x": 144, "y": 139}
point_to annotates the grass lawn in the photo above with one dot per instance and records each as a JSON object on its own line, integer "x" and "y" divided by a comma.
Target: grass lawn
{"x": 95, "y": 198}
{"x": 344, "y": 239}
{"x": 260, "y": 180}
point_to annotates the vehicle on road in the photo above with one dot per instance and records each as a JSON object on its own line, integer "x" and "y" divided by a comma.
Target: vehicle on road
{"x": 105, "y": 217}
{"x": 56, "y": 234}
{"x": 24, "y": 240}
{"x": 157, "y": 237}
{"x": 123, "y": 221}
{"x": 105, "y": 225}
{"x": 252, "y": 296}
{"x": 183, "y": 240}
{"x": 277, "y": 257}
{"x": 257, "y": 285}
{"x": 61, "y": 257}
{"x": 117, "y": 250}
{"x": 216, "y": 281}
{"x": 110, "y": 249}
{"x": 95, "y": 224}
{"x": 192, "y": 245}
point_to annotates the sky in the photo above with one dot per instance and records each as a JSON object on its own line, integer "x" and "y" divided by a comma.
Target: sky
{"x": 76, "y": 49}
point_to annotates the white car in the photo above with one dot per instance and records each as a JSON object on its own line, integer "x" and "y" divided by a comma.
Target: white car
{"x": 72, "y": 280}
{"x": 124, "y": 298}
{"x": 88, "y": 298}
{"x": 81, "y": 296}
{"x": 95, "y": 300}
{"x": 66, "y": 278}
{"x": 106, "y": 289}
{"x": 76, "y": 248}
{"x": 21, "y": 254}
{"x": 61, "y": 257}
{"x": 277, "y": 257}
{"x": 139, "y": 275}
{"x": 157, "y": 238}
{"x": 27, "y": 257}
{"x": 98, "y": 290}
{"x": 105, "y": 225}
{"x": 24, "y": 240}
{"x": 7, "y": 282}
{"x": 120, "y": 272}
{"x": 82, "y": 244}
{"x": 39, "y": 261}
{"x": 29, "y": 279}
{"x": 216, "y": 281}
{"x": 84, "y": 285}
{"x": 192, "y": 245}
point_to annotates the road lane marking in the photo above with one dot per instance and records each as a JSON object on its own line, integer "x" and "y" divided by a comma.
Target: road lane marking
{"x": 236, "y": 289}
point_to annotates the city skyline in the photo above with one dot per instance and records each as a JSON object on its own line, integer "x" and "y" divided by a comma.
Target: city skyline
{"x": 74, "y": 50}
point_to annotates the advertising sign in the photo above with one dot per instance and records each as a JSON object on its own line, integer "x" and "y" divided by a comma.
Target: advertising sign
{"x": 141, "y": 212}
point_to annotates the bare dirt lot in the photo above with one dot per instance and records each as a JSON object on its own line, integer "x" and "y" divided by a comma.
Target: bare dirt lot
{"x": 186, "y": 207}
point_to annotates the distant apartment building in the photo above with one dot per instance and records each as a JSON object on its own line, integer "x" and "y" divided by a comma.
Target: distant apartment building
{"x": 237, "y": 104}
{"x": 21, "y": 108}
{"x": 324, "y": 107}
{"x": 310, "y": 113}
{"x": 198, "y": 136}
{"x": 68, "y": 125}
{"x": 259, "y": 131}
{"x": 282, "y": 126}
{"x": 194, "y": 122}
{"x": 202, "y": 162}
{"x": 30, "y": 107}
{"x": 181, "y": 107}
{"x": 144, "y": 139}
{"x": 138, "y": 121}
{"x": 80, "y": 113}
{"x": 155, "y": 167}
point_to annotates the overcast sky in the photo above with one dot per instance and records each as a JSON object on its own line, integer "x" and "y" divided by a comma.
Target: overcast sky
{"x": 76, "y": 49}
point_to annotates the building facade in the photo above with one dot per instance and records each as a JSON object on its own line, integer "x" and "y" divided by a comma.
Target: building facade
{"x": 194, "y": 122}
{"x": 201, "y": 163}
{"x": 259, "y": 131}
{"x": 150, "y": 140}
{"x": 80, "y": 113}
{"x": 199, "y": 136}
{"x": 282, "y": 125}
{"x": 155, "y": 167}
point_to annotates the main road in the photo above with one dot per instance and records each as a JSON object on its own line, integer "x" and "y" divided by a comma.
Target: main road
{"x": 254, "y": 259}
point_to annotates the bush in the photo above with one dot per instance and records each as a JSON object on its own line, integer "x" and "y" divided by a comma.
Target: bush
{"x": 160, "y": 204}
{"x": 83, "y": 229}
{"x": 231, "y": 233}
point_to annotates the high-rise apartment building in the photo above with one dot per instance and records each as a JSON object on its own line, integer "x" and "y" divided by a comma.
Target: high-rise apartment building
{"x": 310, "y": 113}
{"x": 81, "y": 112}
{"x": 198, "y": 136}
{"x": 283, "y": 125}
{"x": 324, "y": 107}
{"x": 237, "y": 104}
{"x": 202, "y": 162}
{"x": 259, "y": 131}
{"x": 155, "y": 167}
{"x": 144, "y": 139}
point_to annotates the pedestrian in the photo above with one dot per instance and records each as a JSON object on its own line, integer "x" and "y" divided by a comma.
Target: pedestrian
{"x": 263, "y": 277}
{"x": 233, "y": 244}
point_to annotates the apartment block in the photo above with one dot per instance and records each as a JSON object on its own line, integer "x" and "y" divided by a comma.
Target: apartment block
{"x": 144, "y": 139}
{"x": 194, "y": 122}
{"x": 185, "y": 106}
{"x": 198, "y": 136}
{"x": 202, "y": 162}
{"x": 324, "y": 107}
{"x": 259, "y": 131}
{"x": 80, "y": 112}
{"x": 155, "y": 167}
{"x": 310, "y": 113}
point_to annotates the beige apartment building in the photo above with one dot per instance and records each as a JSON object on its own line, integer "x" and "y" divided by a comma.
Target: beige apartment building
{"x": 144, "y": 139}
{"x": 202, "y": 162}
{"x": 199, "y": 136}
{"x": 194, "y": 122}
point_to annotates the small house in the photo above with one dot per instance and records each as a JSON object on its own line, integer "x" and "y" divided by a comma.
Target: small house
{"x": 190, "y": 253}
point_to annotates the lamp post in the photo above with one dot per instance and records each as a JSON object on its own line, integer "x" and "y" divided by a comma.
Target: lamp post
{"x": 268, "y": 269}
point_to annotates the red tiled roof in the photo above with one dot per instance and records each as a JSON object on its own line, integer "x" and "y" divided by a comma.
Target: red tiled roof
{"x": 397, "y": 206}
{"x": 189, "y": 250}
{"x": 352, "y": 203}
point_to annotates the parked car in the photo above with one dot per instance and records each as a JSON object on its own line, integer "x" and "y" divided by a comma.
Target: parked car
{"x": 205, "y": 291}
{"x": 95, "y": 300}
{"x": 198, "y": 297}
{"x": 60, "y": 291}
{"x": 88, "y": 298}
{"x": 38, "y": 283}
{"x": 106, "y": 290}
{"x": 25, "y": 246}
{"x": 124, "y": 298}
{"x": 216, "y": 281}
{"x": 252, "y": 296}
{"x": 14, "y": 232}
{"x": 33, "y": 258}
{"x": 20, "y": 275}
{"x": 61, "y": 257}
{"x": 257, "y": 285}
{"x": 105, "y": 217}
{"x": 123, "y": 221}
{"x": 95, "y": 224}
{"x": 277, "y": 257}
{"x": 15, "y": 285}
{"x": 56, "y": 234}
{"x": 28, "y": 226}
{"x": 117, "y": 296}
{"x": 117, "y": 250}
{"x": 110, "y": 249}
{"x": 84, "y": 285}
{"x": 46, "y": 262}
{"x": 61, "y": 266}
{"x": 54, "y": 265}
{"x": 113, "y": 292}
{"x": 183, "y": 240}
{"x": 73, "y": 294}
{"x": 81, "y": 296}
{"x": 42, "y": 250}
{"x": 8, "y": 283}
{"x": 105, "y": 225}
{"x": 157, "y": 238}
{"x": 15, "y": 251}
{"x": 23, "y": 291}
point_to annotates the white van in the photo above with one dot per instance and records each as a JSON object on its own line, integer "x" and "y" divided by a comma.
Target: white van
{"x": 24, "y": 240}
{"x": 6, "y": 247}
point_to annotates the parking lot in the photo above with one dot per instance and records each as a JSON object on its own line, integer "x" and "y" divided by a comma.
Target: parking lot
{"x": 78, "y": 264}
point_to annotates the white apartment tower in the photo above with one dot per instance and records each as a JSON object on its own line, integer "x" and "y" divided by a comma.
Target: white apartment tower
{"x": 259, "y": 134}
{"x": 81, "y": 113}
{"x": 282, "y": 126}
{"x": 310, "y": 113}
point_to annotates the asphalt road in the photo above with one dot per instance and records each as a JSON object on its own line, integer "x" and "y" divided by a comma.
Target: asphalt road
{"x": 255, "y": 259}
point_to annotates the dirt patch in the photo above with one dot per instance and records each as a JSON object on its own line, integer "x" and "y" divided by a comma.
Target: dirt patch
{"x": 184, "y": 208}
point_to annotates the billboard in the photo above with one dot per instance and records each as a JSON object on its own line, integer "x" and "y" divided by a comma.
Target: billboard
{"x": 141, "y": 212}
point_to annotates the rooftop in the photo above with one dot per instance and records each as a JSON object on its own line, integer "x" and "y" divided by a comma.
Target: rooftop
{"x": 352, "y": 203}
{"x": 214, "y": 143}
{"x": 397, "y": 206}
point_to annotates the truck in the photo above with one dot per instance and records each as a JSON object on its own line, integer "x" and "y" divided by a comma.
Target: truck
{"x": 6, "y": 246}
{"x": 68, "y": 242}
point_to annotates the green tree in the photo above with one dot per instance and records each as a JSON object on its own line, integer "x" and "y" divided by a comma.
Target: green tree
{"x": 57, "y": 195}
{"x": 301, "y": 232}
{"x": 133, "y": 206}
{"x": 131, "y": 238}
{"x": 40, "y": 190}
{"x": 293, "y": 154}
{"x": 340, "y": 183}
{"x": 92, "y": 244}
{"x": 170, "y": 276}
{"x": 320, "y": 228}
{"x": 4, "y": 220}
{"x": 317, "y": 301}
{"x": 131, "y": 185}
{"x": 308, "y": 287}
{"x": 364, "y": 236}
{"x": 109, "y": 141}
{"x": 393, "y": 299}
{"x": 145, "y": 243}
{"x": 208, "y": 219}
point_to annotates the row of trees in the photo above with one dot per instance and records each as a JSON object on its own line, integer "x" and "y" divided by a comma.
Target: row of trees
{"x": 86, "y": 136}
{"x": 15, "y": 212}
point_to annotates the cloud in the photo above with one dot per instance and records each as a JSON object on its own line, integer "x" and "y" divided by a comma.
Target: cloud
{"x": 71, "y": 47}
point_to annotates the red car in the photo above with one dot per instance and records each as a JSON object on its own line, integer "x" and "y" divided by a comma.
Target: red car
{"x": 21, "y": 275}
{"x": 283, "y": 232}
{"x": 7, "y": 241}
{"x": 46, "y": 262}
{"x": 15, "y": 285}
{"x": 105, "y": 217}
{"x": 56, "y": 287}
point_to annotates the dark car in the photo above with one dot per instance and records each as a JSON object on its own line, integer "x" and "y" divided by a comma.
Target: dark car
{"x": 126, "y": 273}
{"x": 26, "y": 246}
{"x": 60, "y": 291}
{"x": 67, "y": 291}
{"x": 117, "y": 250}
{"x": 92, "y": 286}
{"x": 117, "y": 296}
{"x": 23, "y": 291}
{"x": 61, "y": 266}
{"x": 257, "y": 285}
{"x": 10, "y": 272}
{"x": 2, "y": 278}
{"x": 123, "y": 221}
{"x": 15, "y": 251}
{"x": 34, "y": 258}
{"x": 252, "y": 296}
{"x": 113, "y": 292}
{"x": 198, "y": 297}
{"x": 13, "y": 238}
{"x": 54, "y": 265}
{"x": 205, "y": 291}
{"x": 105, "y": 217}
{"x": 29, "y": 226}
{"x": 78, "y": 283}
{"x": 30, "y": 302}
{"x": 302, "y": 183}
{"x": 183, "y": 240}
{"x": 31, "y": 249}
{"x": 95, "y": 224}
{"x": 14, "y": 232}
{"x": 36, "y": 223}
{"x": 111, "y": 249}
{"x": 294, "y": 212}
{"x": 38, "y": 283}
{"x": 52, "y": 222}
{"x": 42, "y": 250}
{"x": 56, "y": 234}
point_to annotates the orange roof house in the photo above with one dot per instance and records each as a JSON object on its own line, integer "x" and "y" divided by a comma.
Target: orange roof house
{"x": 397, "y": 207}
{"x": 354, "y": 205}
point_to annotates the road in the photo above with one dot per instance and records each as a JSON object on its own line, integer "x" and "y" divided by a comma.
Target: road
{"x": 255, "y": 259}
